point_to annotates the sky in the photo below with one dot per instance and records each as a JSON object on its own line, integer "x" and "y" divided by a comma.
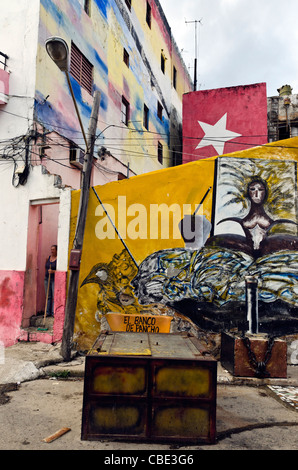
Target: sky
{"x": 239, "y": 42}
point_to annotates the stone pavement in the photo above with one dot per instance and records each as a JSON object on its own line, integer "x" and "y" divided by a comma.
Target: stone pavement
{"x": 251, "y": 413}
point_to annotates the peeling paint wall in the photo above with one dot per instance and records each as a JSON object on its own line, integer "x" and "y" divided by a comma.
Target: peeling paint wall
{"x": 102, "y": 38}
{"x": 40, "y": 101}
{"x": 15, "y": 237}
{"x": 18, "y": 38}
{"x": 282, "y": 117}
{"x": 11, "y": 305}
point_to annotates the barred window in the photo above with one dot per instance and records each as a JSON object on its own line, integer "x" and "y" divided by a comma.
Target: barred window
{"x": 81, "y": 69}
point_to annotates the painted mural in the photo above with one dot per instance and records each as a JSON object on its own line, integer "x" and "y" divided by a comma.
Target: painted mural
{"x": 220, "y": 220}
{"x": 102, "y": 37}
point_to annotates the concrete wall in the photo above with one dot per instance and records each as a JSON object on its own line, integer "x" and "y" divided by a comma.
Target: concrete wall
{"x": 40, "y": 101}
{"x": 18, "y": 38}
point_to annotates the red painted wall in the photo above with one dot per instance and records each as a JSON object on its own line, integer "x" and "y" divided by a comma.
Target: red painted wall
{"x": 12, "y": 285}
{"x": 11, "y": 305}
{"x": 224, "y": 120}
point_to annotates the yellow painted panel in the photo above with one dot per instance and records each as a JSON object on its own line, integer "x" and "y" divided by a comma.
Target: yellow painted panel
{"x": 186, "y": 422}
{"x": 183, "y": 382}
{"x": 113, "y": 419}
{"x": 171, "y": 187}
{"x": 119, "y": 380}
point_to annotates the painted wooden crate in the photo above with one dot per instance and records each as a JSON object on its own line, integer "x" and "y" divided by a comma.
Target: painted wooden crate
{"x": 145, "y": 387}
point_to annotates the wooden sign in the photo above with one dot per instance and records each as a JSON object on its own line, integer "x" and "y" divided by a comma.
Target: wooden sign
{"x": 139, "y": 323}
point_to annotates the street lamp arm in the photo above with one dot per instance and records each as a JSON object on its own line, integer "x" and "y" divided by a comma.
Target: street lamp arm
{"x": 58, "y": 51}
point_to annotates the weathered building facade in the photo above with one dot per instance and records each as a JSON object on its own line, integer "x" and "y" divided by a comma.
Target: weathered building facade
{"x": 283, "y": 115}
{"x": 123, "y": 49}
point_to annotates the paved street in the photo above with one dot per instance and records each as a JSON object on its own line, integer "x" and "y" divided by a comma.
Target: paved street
{"x": 249, "y": 417}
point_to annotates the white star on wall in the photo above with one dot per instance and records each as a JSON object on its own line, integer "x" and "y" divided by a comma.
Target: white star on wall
{"x": 217, "y": 135}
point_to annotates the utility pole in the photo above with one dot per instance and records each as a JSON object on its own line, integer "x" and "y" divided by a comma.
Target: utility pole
{"x": 72, "y": 295}
{"x": 196, "y": 50}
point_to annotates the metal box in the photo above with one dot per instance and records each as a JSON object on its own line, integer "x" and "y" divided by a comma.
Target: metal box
{"x": 75, "y": 260}
{"x": 151, "y": 388}
{"x": 254, "y": 356}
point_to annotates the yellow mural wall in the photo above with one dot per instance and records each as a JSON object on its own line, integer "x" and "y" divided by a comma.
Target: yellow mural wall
{"x": 108, "y": 264}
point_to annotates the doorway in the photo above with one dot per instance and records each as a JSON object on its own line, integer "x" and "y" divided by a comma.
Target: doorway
{"x": 42, "y": 234}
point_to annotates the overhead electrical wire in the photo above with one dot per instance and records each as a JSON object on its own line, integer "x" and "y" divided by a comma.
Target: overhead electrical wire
{"x": 142, "y": 131}
{"x": 13, "y": 149}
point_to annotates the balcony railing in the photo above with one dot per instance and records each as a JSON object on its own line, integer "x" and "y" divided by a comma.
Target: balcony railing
{"x": 3, "y": 60}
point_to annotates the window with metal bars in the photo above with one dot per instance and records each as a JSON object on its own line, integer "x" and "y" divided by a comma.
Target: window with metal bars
{"x": 81, "y": 69}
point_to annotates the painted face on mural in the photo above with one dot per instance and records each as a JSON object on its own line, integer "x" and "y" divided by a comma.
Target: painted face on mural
{"x": 257, "y": 192}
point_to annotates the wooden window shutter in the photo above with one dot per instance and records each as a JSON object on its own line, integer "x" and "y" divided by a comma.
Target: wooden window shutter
{"x": 81, "y": 69}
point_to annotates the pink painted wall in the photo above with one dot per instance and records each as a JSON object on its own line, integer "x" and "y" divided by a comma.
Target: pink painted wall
{"x": 11, "y": 309}
{"x": 19, "y": 291}
{"x": 245, "y": 108}
{"x": 59, "y": 306}
{"x": 11, "y": 305}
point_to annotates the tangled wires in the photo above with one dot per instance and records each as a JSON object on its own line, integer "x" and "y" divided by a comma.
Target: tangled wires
{"x": 17, "y": 150}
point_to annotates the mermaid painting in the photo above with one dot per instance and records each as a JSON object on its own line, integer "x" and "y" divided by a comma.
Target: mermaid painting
{"x": 252, "y": 231}
{"x": 256, "y": 226}
{"x": 214, "y": 275}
